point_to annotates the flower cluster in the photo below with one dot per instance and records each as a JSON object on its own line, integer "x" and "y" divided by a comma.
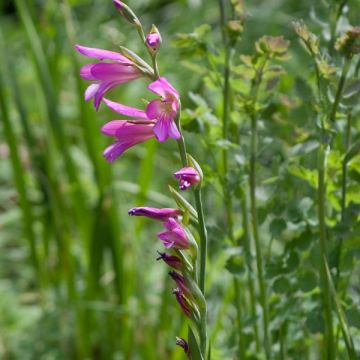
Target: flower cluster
{"x": 159, "y": 119}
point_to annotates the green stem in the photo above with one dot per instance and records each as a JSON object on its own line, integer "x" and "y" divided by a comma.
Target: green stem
{"x": 227, "y": 192}
{"x": 203, "y": 242}
{"x": 339, "y": 90}
{"x": 250, "y": 272}
{"x": 255, "y": 227}
{"x": 343, "y": 192}
{"x": 329, "y": 347}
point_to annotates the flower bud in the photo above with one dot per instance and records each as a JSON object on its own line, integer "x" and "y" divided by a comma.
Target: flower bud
{"x": 349, "y": 43}
{"x": 171, "y": 260}
{"x": 153, "y": 39}
{"x": 180, "y": 282}
{"x": 183, "y": 302}
{"x": 183, "y": 344}
{"x": 126, "y": 12}
{"x": 174, "y": 235}
{"x": 188, "y": 177}
{"x": 161, "y": 214}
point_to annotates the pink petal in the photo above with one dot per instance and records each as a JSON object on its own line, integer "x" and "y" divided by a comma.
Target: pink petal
{"x": 91, "y": 91}
{"x": 112, "y": 72}
{"x": 112, "y": 127}
{"x": 163, "y": 88}
{"x": 165, "y": 128}
{"x": 154, "y": 109}
{"x": 102, "y": 54}
{"x": 102, "y": 89}
{"x": 125, "y": 110}
{"x": 85, "y": 72}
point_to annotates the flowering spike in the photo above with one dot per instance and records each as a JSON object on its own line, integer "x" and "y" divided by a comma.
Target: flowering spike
{"x": 174, "y": 235}
{"x": 183, "y": 344}
{"x": 172, "y": 260}
{"x": 188, "y": 177}
{"x": 162, "y": 214}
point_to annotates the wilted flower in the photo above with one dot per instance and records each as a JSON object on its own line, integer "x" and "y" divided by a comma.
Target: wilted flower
{"x": 162, "y": 214}
{"x": 165, "y": 110}
{"x": 171, "y": 260}
{"x": 106, "y": 75}
{"x": 180, "y": 282}
{"x": 183, "y": 302}
{"x": 188, "y": 177}
{"x": 183, "y": 344}
{"x": 174, "y": 236}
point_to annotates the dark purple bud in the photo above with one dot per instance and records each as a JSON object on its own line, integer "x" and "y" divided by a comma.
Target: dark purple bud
{"x": 173, "y": 261}
{"x": 154, "y": 213}
{"x": 180, "y": 282}
{"x": 183, "y": 344}
{"x": 188, "y": 177}
{"x": 118, "y": 4}
{"x": 183, "y": 302}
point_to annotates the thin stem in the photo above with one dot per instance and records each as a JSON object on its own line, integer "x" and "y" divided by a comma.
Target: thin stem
{"x": 343, "y": 191}
{"x": 203, "y": 241}
{"x": 155, "y": 66}
{"x": 329, "y": 347}
{"x": 255, "y": 227}
{"x": 339, "y": 90}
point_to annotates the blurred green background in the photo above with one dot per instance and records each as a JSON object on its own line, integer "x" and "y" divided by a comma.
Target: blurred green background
{"x": 78, "y": 278}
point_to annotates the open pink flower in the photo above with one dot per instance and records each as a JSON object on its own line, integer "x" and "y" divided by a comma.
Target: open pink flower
{"x": 188, "y": 177}
{"x": 164, "y": 110}
{"x": 174, "y": 235}
{"x": 127, "y": 134}
{"x": 106, "y": 75}
{"x": 162, "y": 214}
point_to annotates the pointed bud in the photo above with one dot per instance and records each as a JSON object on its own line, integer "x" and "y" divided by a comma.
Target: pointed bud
{"x": 188, "y": 177}
{"x": 126, "y": 12}
{"x": 183, "y": 344}
{"x": 153, "y": 39}
{"x": 161, "y": 214}
{"x": 183, "y": 302}
{"x": 171, "y": 260}
{"x": 180, "y": 282}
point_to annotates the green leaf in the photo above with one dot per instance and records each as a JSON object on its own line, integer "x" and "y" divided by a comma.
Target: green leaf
{"x": 183, "y": 203}
{"x": 235, "y": 264}
{"x": 282, "y": 285}
{"x": 307, "y": 281}
{"x": 277, "y": 226}
{"x": 194, "y": 346}
{"x": 353, "y": 151}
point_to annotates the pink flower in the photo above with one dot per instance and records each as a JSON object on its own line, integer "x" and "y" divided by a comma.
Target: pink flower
{"x": 164, "y": 110}
{"x": 162, "y": 214}
{"x": 153, "y": 39}
{"x": 106, "y": 75}
{"x": 174, "y": 236}
{"x": 171, "y": 260}
{"x": 127, "y": 132}
{"x": 188, "y": 177}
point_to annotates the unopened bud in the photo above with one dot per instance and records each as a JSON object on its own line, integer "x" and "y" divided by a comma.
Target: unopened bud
{"x": 126, "y": 12}
{"x": 153, "y": 39}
